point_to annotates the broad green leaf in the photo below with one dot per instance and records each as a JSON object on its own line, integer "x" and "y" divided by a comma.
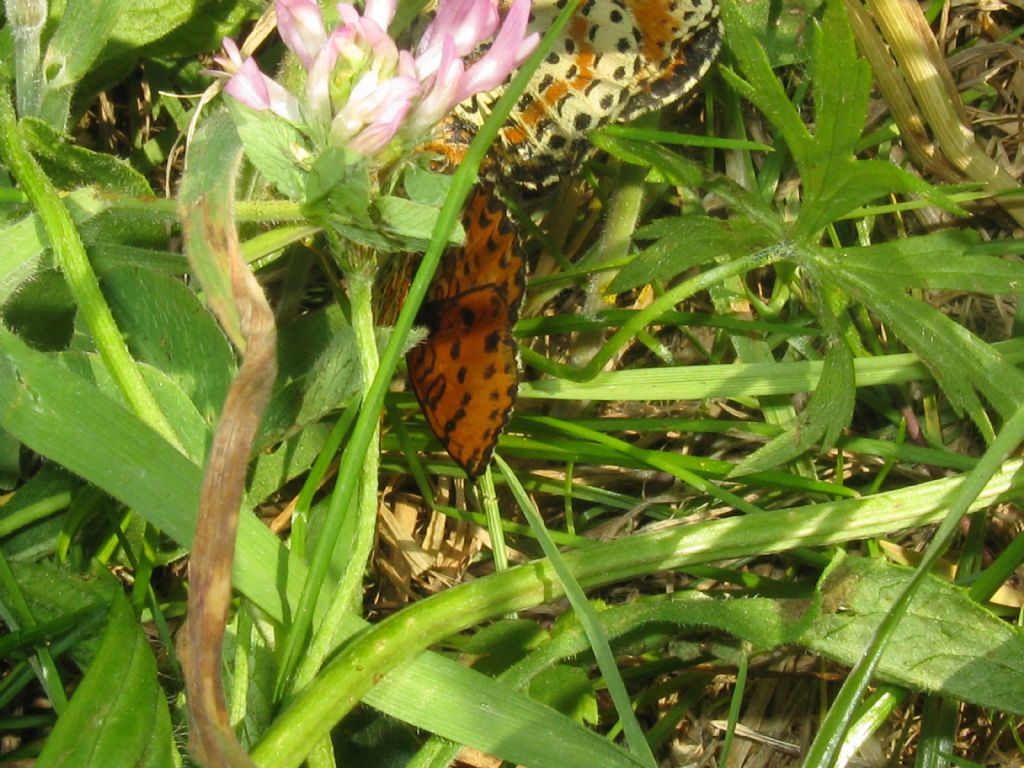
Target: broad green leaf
{"x": 118, "y": 715}
{"x": 33, "y": 515}
{"x": 946, "y": 643}
{"x": 145, "y": 21}
{"x": 68, "y": 419}
{"x": 21, "y": 256}
{"x": 167, "y": 327}
{"x": 42, "y": 311}
{"x": 822, "y": 422}
{"x": 69, "y": 165}
{"x": 568, "y": 690}
{"x": 189, "y": 426}
{"x": 52, "y": 594}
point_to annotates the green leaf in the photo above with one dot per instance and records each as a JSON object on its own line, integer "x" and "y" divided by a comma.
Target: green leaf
{"x": 166, "y": 326}
{"x": 270, "y": 145}
{"x": 191, "y": 429}
{"x": 568, "y": 690}
{"x": 673, "y": 168}
{"x": 118, "y": 716}
{"x": 338, "y": 185}
{"x": 946, "y": 643}
{"x": 42, "y": 311}
{"x": 425, "y": 186}
{"x": 411, "y": 223}
{"x": 821, "y": 423}
{"x": 836, "y": 187}
{"x": 842, "y": 84}
{"x": 949, "y": 260}
{"x": 69, "y": 165}
{"x": 145, "y": 21}
{"x": 761, "y": 87}
{"x": 53, "y": 593}
{"x": 684, "y": 242}
{"x": 780, "y": 28}
{"x": 960, "y": 362}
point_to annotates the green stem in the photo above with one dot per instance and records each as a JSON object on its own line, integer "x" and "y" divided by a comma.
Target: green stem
{"x": 347, "y": 598}
{"x": 70, "y": 255}
{"x": 25, "y": 20}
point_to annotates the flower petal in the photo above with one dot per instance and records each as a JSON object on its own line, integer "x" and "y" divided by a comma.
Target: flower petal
{"x": 301, "y": 26}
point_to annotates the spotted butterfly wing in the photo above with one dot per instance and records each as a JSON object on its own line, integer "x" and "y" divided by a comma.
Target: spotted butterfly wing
{"x": 465, "y": 375}
{"x": 616, "y": 60}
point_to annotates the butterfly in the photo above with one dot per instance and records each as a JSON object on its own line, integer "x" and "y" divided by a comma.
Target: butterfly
{"x": 465, "y": 375}
{"x": 616, "y": 60}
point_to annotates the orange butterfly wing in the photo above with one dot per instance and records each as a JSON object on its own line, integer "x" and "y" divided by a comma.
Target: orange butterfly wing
{"x": 466, "y": 374}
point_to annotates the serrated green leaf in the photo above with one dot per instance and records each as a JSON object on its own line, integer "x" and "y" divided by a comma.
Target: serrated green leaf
{"x": 948, "y": 260}
{"x": 780, "y": 28}
{"x": 961, "y": 363}
{"x": 836, "y": 187}
{"x": 674, "y": 168}
{"x": 118, "y": 716}
{"x": 761, "y": 87}
{"x": 820, "y": 424}
{"x": 270, "y": 145}
{"x": 842, "y": 85}
{"x": 684, "y": 242}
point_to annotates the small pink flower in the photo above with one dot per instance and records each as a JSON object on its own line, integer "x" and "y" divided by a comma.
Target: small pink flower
{"x": 360, "y": 90}
{"x": 370, "y": 119}
{"x": 510, "y": 48}
{"x": 467, "y": 22}
{"x": 247, "y": 84}
{"x": 301, "y": 25}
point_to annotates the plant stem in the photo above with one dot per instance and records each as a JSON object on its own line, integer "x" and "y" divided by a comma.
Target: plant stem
{"x": 360, "y": 270}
